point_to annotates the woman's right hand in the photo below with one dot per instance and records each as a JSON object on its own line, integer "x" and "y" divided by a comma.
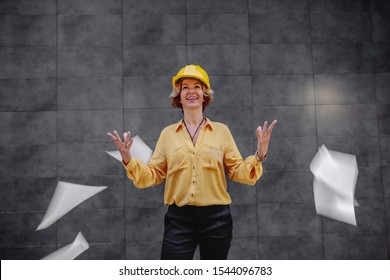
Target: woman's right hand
{"x": 123, "y": 147}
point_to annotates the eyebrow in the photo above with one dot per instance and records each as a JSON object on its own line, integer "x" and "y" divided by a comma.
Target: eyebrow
{"x": 197, "y": 83}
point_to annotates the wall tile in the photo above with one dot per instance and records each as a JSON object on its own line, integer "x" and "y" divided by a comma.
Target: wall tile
{"x": 308, "y": 247}
{"x": 28, "y": 94}
{"x": 370, "y": 218}
{"x": 28, "y": 127}
{"x": 26, "y": 7}
{"x": 368, "y": 246}
{"x": 212, "y": 29}
{"x": 287, "y": 219}
{"x": 150, "y": 250}
{"x": 26, "y": 194}
{"x": 105, "y": 251}
{"x": 290, "y": 119}
{"x": 385, "y": 150}
{"x": 32, "y": 62}
{"x": 380, "y": 27}
{"x": 384, "y": 119}
{"x": 386, "y": 183}
{"x": 28, "y": 161}
{"x": 77, "y": 61}
{"x": 26, "y": 253}
{"x": 284, "y": 6}
{"x": 282, "y": 90}
{"x": 238, "y": 122}
{"x": 339, "y": 6}
{"x": 281, "y": 59}
{"x": 153, "y": 60}
{"x": 27, "y": 31}
{"x": 340, "y": 27}
{"x": 342, "y": 57}
{"x": 366, "y": 149}
{"x": 285, "y": 186}
{"x": 382, "y": 85}
{"x": 369, "y": 183}
{"x": 111, "y": 197}
{"x": 241, "y": 194}
{"x": 85, "y": 159}
{"x": 150, "y": 29}
{"x": 152, "y": 197}
{"x": 97, "y": 226}
{"x": 90, "y": 30}
{"x": 148, "y": 123}
{"x": 18, "y": 230}
{"x": 87, "y": 7}
{"x": 145, "y": 224}
{"x": 216, "y": 6}
{"x": 347, "y": 120}
{"x": 244, "y": 220}
{"x": 221, "y": 59}
{"x": 243, "y": 249}
{"x": 280, "y": 28}
{"x": 147, "y": 92}
{"x": 153, "y": 7}
{"x": 344, "y": 88}
{"x": 89, "y": 93}
{"x": 381, "y": 57}
{"x": 379, "y": 6}
{"x": 290, "y": 152}
{"x": 88, "y": 126}
{"x": 230, "y": 90}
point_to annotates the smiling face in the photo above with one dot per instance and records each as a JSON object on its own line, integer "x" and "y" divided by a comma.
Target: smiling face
{"x": 191, "y": 95}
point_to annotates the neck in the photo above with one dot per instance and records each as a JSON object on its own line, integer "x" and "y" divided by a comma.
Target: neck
{"x": 193, "y": 117}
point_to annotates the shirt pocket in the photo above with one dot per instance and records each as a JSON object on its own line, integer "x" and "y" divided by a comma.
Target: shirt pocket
{"x": 177, "y": 161}
{"x": 211, "y": 158}
{"x": 211, "y": 163}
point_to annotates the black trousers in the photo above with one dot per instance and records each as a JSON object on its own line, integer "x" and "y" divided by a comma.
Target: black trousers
{"x": 186, "y": 227}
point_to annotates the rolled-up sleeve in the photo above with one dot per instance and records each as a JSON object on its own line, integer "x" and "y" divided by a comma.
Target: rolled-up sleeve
{"x": 151, "y": 174}
{"x": 246, "y": 171}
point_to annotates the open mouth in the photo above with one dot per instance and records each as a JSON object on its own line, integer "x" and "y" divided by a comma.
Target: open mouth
{"x": 192, "y": 98}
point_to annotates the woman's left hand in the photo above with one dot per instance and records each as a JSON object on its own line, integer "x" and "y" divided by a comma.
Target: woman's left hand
{"x": 263, "y": 137}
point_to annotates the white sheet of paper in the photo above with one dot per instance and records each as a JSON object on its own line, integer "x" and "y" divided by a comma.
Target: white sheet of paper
{"x": 66, "y": 197}
{"x": 70, "y": 251}
{"x": 335, "y": 177}
{"x": 138, "y": 150}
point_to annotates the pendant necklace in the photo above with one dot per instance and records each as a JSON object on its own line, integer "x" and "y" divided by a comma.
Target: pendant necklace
{"x": 192, "y": 136}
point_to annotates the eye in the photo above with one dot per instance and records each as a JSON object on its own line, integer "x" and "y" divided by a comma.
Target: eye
{"x": 184, "y": 87}
{"x": 197, "y": 86}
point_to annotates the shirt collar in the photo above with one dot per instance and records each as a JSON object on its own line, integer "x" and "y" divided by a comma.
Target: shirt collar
{"x": 180, "y": 124}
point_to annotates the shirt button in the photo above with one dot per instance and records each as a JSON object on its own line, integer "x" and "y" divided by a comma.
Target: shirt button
{"x": 192, "y": 195}
{"x": 193, "y": 153}
{"x": 193, "y": 167}
{"x": 193, "y": 182}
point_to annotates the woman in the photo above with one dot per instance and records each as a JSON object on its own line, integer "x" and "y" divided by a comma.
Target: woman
{"x": 191, "y": 156}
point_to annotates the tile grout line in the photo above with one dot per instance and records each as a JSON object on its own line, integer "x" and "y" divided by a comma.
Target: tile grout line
{"x": 253, "y": 125}
{"x": 315, "y": 111}
{"x": 123, "y": 129}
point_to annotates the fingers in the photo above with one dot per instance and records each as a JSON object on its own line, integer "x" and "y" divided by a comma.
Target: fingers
{"x": 259, "y": 132}
{"x": 272, "y": 126}
{"x": 113, "y": 138}
{"x": 265, "y": 126}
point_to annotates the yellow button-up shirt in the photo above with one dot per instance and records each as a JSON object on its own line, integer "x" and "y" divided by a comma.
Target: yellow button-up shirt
{"x": 195, "y": 173}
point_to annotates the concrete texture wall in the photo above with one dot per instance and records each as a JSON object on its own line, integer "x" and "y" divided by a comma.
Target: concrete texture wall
{"x": 71, "y": 70}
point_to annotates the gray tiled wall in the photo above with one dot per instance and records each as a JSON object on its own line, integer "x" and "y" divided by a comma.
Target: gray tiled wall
{"x": 71, "y": 70}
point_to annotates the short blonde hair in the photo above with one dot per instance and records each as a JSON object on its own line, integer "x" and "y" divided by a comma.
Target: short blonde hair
{"x": 208, "y": 95}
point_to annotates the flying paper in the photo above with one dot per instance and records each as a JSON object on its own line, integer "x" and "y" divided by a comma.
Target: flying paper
{"x": 66, "y": 197}
{"x": 335, "y": 177}
{"x": 70, "y": 251}
{"x": 138, "y": 150}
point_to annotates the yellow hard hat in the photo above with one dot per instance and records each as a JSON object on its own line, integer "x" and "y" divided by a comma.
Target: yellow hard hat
{"x": 192, "y": 71}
